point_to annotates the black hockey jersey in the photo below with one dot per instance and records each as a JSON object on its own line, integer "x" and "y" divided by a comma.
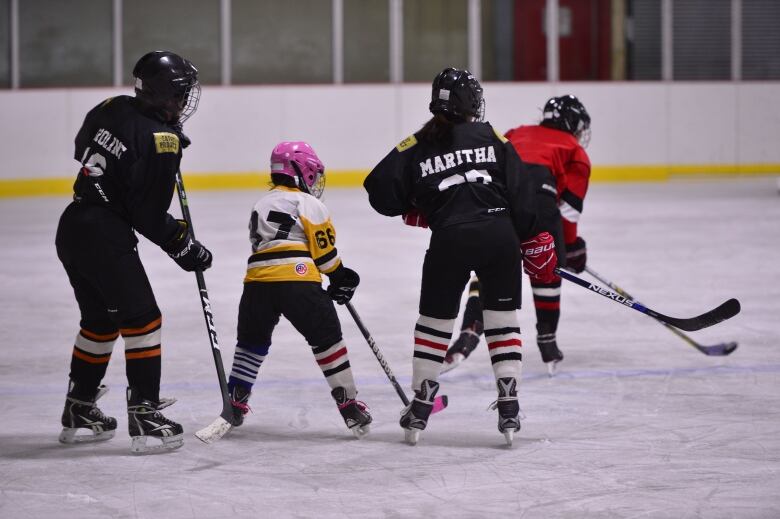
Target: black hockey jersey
{"x": 129, "y": 162}
{"x": 479, "y": 176}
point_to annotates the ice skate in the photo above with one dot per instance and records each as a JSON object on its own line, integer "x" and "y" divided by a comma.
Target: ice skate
{"x": 508, "y": 408}
{"x": 551, "y": 355}
{"x": 354, "y": 412}
{"x": 414, "y": 417}
{"x": 463, "y": 346}
{"x": 239, "y": 400}
{"x": 145, "y": 421}
{"x": 85, "y": 416}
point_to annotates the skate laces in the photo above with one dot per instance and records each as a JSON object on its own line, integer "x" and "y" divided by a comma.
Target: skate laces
{"x": 361, "y": 405}
{"x": 242, "y": 406}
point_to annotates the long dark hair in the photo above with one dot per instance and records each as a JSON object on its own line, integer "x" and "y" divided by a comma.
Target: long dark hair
{"x": 437, "y": 131}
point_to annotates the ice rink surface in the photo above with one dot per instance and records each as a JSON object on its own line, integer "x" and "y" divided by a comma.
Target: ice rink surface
{"x": 637, "y": 423}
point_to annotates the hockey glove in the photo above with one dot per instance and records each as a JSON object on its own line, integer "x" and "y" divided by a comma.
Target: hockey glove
{"x": 415, "y": 218}
{"x": 539, "y": 258}
{"x": 188, "y": 253}
{"x": 343, "y": 282}
{"x": 576, "y": 255}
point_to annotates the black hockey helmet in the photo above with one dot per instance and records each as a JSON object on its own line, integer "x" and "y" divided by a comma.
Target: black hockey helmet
{"x": 458, "y": 95}
{"x": 567, "y": 113}
{"x": 169, "y": 83}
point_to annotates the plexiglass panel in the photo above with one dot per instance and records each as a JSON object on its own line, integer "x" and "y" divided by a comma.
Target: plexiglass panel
{"x": 435, "y": 37}
{"x": 366, "y": 41}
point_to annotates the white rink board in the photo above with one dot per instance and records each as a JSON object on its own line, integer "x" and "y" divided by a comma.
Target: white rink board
{"x": 353, "y": 126}
{"x": 638, "y": 424}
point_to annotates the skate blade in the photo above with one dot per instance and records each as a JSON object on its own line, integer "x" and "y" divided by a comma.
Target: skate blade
{"x": 453, "y": 363}
{"x": 360, "y": 432}
{"x": 411, "y": 436}
{"x": 69, "y": 435}
{"x": 214, "y": 431}
{"x": 138, "y": 444}
{"x": 552, "y": 368}
{"x": 509, "y": 435}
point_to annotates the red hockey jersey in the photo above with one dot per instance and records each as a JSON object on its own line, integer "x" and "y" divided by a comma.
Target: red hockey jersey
{"x": 562, "y": 154}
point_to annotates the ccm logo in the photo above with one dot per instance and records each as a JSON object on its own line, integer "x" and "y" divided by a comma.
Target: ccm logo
{"x": 539, "y": 249}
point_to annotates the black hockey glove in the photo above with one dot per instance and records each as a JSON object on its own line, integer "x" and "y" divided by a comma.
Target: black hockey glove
{"x": 576, "y": 255}
{"x": 189, "y": 254}
{"x": 343, "y": 282}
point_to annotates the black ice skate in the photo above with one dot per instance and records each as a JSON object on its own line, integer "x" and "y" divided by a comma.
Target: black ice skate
{"x": 414, "y": 417}
{"x": 508, "y": 408}
{"x": 354, "y": 412}
{"x": 83, "y": 414}
{"x": 239, "y": 400}
{"x": 463, "y": 346}
{"x": 548, "y": 347}
{"x": 145, "y": 421}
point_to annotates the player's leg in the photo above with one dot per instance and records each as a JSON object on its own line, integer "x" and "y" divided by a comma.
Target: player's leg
{"x": 500, "y": 275}
{"x": 257, "y": 319}
{"x": 132, "y": 302}
{"x": 470, "y": 330}
{"x": 445, "y": 274}
{"x": 91, "y": 353}
{"x": 311, "y": 311}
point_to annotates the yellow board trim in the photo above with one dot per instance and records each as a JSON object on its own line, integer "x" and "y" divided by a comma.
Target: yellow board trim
{"x": 261, "y": 180}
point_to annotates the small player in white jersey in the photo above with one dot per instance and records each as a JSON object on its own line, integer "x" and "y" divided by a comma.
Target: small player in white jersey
{"x": 293, "y": 243}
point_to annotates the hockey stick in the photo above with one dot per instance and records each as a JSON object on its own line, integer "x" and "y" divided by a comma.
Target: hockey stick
{"x": 219, "y": 427}
{"x": 439, "y": 403}
{"x": 716, "y": 350}
{"x": 725, "y": 311}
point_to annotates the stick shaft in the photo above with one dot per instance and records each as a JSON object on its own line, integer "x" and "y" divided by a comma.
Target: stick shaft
{"x": 206, "y": 305}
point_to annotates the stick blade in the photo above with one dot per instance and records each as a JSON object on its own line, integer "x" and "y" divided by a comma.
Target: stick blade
{"x": 725, "y": 311}
{"x": 719, "y": 350}
{"x": 214, "y": 431}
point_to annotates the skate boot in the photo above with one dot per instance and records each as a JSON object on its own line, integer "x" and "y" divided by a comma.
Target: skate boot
{"x": 239, "y": 400}
{"x": 354, "y": 412}
{"x": 414, "y": 417}
{"x": 551, "y": 355}
{"x": 463, "y": 346}
{"x": 83, "y": 413}
{"x": 508, "y": 408}
{"x": 145, "y": 421}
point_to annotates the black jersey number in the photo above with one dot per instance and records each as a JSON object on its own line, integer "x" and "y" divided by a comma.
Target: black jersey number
{"x": 285, "y": 222}
{"x": 324, "y": 238}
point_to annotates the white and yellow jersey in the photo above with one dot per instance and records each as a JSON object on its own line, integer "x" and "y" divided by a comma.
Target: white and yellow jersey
{"x": 292, "y": 238}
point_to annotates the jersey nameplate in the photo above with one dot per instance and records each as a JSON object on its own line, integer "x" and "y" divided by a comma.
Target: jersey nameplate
{"x": 406, "y": 143}
{"x": 166, "y": 142}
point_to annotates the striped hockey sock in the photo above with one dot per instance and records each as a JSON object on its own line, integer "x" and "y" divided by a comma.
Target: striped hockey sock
{"x": 333, "y": 360}
{"x": 431, "y": 339}
{"x": 502, "y": 334}
{"x": 547, "y": 301}
{"x": 91, "y": 353}
{"x": 247, "y": 360}
{"x": 143, "y": 356}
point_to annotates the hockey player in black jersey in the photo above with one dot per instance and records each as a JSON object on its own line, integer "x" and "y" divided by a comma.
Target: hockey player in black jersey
{"x": 129, "y": 149}
{"x": 468, "y": 184}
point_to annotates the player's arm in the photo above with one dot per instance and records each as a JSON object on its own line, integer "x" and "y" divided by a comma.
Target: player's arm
{"x": 520, "y": 191}
{"x": 152, "y": 181}
{"x": 571, "y": 206}
{"x": 389, "y": 184}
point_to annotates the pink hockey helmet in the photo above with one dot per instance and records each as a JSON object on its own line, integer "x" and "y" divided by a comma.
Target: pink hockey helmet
{"x": 298, "y": 160}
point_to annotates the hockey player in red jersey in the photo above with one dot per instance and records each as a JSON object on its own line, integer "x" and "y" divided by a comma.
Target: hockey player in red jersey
{"x": 461, "y": 177}
{"x": 130, "y": 149}
{"x": 293, "y": 243}
{"x": 560, "y": 167}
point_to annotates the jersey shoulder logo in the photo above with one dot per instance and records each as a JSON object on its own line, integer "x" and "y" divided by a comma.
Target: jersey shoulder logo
{"x": 500, "y": 137}
{"x": 166, "y": 142}
{"x": 406, "y": 143}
